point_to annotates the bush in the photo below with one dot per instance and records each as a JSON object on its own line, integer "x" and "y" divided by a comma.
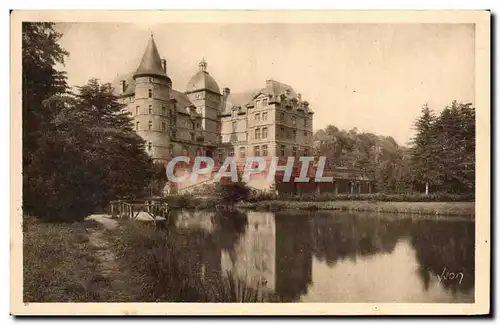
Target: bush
{"x": 232, "y": 192}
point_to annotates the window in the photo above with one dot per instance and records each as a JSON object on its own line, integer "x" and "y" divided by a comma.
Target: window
{"x": 282, "y": 150}
{"x": 193, "y": 125}
{"x": 264, "y": 150}
{"x": 306, "y": 152}
{"x": 231, "y": 152}
{"x": 294, "y": 134}
{"x": 257, "y": 134}
{"x": 242, "y": 152}
{"x": 282, "y": 116}
{"x": 192, "y": 136}
{"x": 150, "y": 109}
{"x": 294, "y": 120}
{"x": 257, "y": 116}
{"x": 294, "y": 151}
{"x": 234, "y": 126}
{"x": 264, "y": 102}
{"x": 257, "y": 103}
{"x": 305, "y": 133}
{"x": 150, "y": 93}
{"x": 256, "y": 151}
{"x": 264, "y": 133}
{"x": 163, "y": 110}
{"x": 198, "y": 125}
{"x": 150, "y": 125}
{"x": 163, "y": 126}
{"x": 137, "y": 110}
{"x": 282, "y": 132}
{"x": 305, "y": 123}
{"x": 137, "y": 126}
{"x": 264, "y": 116}
{"x": 150, "y": 146}
{"x": 174, "y": 133}
{"x": 219, "y": 155}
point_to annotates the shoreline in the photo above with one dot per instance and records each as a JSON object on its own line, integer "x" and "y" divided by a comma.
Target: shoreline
{"x": 419, "y": 208}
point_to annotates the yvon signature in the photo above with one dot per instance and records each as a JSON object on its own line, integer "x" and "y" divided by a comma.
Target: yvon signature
{"x": 445, "y": 275}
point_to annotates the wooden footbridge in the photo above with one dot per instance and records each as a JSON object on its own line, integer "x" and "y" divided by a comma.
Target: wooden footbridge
{"x": 148, "y": 210}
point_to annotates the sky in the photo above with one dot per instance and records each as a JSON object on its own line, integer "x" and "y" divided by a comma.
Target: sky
{"x": 375, "y": 77}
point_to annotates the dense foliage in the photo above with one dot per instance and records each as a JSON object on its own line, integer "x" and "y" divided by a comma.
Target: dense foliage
{"x": 440, "y": 158}
{"x": 379, "y": 156}
{"x": 229, "y": 192}
{"x": 79, "y": 148}
{"x": 443, "y": 150}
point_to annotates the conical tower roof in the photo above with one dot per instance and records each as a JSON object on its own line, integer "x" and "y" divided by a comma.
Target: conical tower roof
{"x": 151, "y": 62}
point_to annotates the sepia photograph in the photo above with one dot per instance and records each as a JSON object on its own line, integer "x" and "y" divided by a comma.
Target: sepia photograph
{"x": 305, "y": 162}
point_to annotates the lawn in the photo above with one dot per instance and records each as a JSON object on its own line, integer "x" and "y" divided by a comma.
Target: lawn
{"x": 59, "y": 264}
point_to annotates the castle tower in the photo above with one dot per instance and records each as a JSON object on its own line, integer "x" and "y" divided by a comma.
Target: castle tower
{"x": 152, "y": 93}
{"x": 205, "y": 94}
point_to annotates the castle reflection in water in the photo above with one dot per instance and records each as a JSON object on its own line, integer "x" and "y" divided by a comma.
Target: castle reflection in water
{"x": 335, "y": 256}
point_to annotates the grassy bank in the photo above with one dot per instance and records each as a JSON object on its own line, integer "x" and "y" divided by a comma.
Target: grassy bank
{"x": 59, "y": 264}
{"x": 424, "y": 208}
{"x": 457, "y": 205}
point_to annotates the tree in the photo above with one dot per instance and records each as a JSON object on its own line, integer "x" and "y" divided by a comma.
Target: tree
{"x": 423, "y": 152}
{"x": 376, "y": 155}
{"x": 88, "y": 155}
{"x": 40, "y": 81}
{"x": 230, "y": 192}
{"x": 455, "y": 148}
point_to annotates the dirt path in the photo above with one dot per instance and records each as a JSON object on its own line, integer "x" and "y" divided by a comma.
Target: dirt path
{"x": 110, "y": 268}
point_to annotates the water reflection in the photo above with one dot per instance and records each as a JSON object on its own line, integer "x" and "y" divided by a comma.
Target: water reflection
{"x": 335, "y": 257}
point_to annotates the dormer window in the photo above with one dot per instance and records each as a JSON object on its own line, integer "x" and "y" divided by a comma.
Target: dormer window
{"x": 264, "y": 102}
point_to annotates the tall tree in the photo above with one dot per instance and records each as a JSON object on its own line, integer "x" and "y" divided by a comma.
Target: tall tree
{"x": 423, "y": 151}
{"x": 88, "y": 155}
{"x": 40, "y": 81}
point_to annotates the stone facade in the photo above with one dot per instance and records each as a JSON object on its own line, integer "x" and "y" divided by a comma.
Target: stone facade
{"x": 203, "y": 121}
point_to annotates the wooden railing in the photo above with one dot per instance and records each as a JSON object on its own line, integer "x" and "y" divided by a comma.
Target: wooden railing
{"x": 127, "y": 210}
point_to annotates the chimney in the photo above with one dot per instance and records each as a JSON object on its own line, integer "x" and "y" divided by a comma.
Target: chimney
{"x": 124, "y": 85}
{"x": 299, "y": 97}
{"x": 226, "y": 91}
{"x": 164, "y": 65}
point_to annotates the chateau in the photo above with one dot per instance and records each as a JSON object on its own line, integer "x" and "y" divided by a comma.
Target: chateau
{"x": 202, "y": 120}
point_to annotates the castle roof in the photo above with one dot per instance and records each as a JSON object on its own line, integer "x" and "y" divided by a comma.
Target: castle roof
{"x": 202, "y": 80}
{"x": 151, "y": 62}
{"x": 275, "y": 89}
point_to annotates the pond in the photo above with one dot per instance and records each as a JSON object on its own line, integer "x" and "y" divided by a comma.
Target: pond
{"x": 336, "y": 256}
